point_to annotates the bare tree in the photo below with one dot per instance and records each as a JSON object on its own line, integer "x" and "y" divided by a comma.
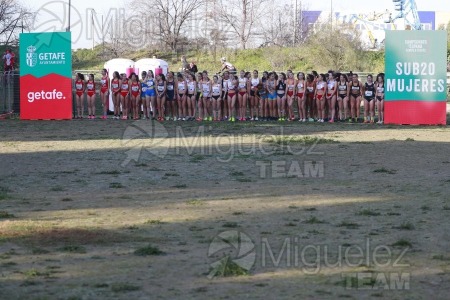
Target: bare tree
{"x": 13, "y": 19}
{"x": 275, "y": 29}
{"x": 241, "y": 16}
{"x": 166, "y": 19}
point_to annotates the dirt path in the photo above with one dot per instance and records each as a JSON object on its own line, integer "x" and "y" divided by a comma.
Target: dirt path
{"x": 314, "y": 211}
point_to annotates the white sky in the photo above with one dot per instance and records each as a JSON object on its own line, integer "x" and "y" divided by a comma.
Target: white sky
{"x": 52, "y": 12}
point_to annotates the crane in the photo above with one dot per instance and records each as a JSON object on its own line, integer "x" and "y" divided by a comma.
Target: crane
{"x": 407, "y": 10}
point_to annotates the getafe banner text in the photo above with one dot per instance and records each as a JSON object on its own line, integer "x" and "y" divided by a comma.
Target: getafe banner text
{"x": 45, "y": 76}
{"x": 416, "y": 77}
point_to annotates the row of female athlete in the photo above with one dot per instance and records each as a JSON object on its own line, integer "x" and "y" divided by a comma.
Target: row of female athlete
{"x": 318, "y": 97}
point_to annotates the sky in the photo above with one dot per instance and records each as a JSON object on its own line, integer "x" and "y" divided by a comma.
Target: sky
{"x": 52, "y": 14}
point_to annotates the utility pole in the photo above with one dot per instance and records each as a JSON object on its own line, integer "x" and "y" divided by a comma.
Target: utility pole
{"x": 70, "y": 8}
{"x": 331, "y": 15}
{"x": 295, "y": 22}
{"x": 92, "y": 26}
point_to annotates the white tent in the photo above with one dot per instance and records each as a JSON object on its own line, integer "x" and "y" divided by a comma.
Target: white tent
{"x": 121, "y": 65}
{"x": 146, "y": 64}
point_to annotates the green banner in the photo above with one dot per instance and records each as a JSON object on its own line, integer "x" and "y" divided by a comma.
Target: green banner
{"x": 45, "y": 76}
{"x": 416, "y": 65}
{"x": 46, "y": 53}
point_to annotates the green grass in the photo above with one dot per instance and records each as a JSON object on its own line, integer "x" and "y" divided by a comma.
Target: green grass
{"x": 393, "y": 214}
{"x": 120, "y": 287}
{"x": 195, "y": 202}
{"x": 57, "y": 188}
{"x": 406, "y": 226}
{"x": 115, "y": 185}
{"x": 384, "y": 170}
{"x": 180, "y": 186}
{"x": 310, "y": 209}
{"x": 313, "y": 220}
{"x": 140, "y": 165}
{"x": 5, "y": 215}
{"x": 238, "y": 213}
{"x": 368, "y": 212}
{"x": 440, "y": 257}
{"x": 154, "y": 222}
{"x": 227, "y": 268}
{"x": 196, "y": 158}
{"x": 8, "y": 264}
{"x": 402, "y": 243}
{"x": 425, "y": 208}
{"x": 171, "y": 174}
{"x": 4, "y": 193}
{"x": 35, "y": 273}
{"x": 230, "y": 225}
{"x": 348, "y": 225}
{"x": 73, "y": 249}
{"x": 148, "y": 250}
{"x": 112, "y": 172}
{"x": 236, "y": 173}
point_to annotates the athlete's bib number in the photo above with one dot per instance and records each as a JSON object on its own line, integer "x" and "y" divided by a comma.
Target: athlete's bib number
{"x": 368, "y": 93}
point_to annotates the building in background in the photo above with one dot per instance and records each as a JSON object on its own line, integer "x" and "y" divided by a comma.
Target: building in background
{"x": 373, "y": 25}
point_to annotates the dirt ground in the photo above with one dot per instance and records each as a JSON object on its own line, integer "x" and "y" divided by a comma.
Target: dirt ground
{"x": 93, "y": 209}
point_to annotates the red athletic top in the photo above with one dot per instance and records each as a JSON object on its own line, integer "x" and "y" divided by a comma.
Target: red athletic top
{"x": 90, "y": 86}
{"x": 124, "y": 89}
{"x": 115, "y": 86}
{"x": 104, "y": 84}
{"x": 79, "y": 87}
{"x": 135, "y": 88}
{"x": 330, "y": 91}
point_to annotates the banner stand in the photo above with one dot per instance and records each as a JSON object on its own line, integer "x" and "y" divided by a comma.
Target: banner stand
{"x": 416, "y": 77}
{"x": 46, "y": 76}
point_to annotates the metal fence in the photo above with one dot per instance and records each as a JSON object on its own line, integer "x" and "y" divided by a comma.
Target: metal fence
{"x": 9, "y": 92}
